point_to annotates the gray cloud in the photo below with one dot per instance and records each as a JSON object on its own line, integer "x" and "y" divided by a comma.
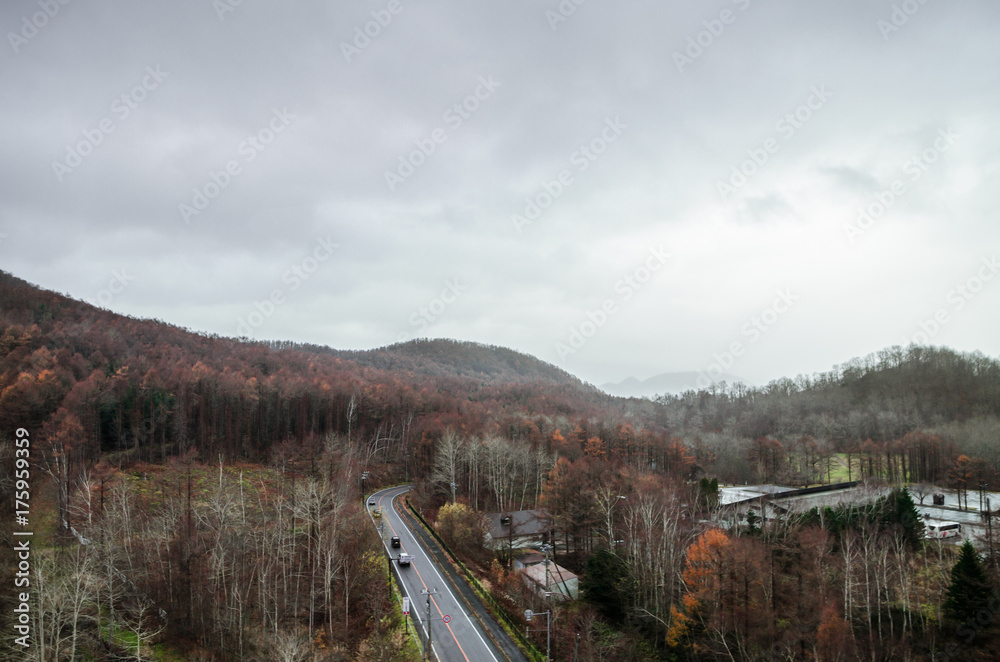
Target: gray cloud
{"x": 323, "y": 175}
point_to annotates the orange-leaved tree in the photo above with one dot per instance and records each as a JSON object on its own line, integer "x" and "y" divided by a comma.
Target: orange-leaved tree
{"x": 62, "y": 433}
{"x": 703, "y": 576}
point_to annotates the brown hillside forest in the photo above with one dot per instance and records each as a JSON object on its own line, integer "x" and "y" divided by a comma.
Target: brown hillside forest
{"x": 217, "y": 485}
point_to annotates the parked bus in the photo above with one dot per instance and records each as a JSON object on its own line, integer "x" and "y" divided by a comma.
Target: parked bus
{"x": 942, "y": 529}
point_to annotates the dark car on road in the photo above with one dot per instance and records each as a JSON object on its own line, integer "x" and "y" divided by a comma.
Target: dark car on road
{"x": 394, "y": 541}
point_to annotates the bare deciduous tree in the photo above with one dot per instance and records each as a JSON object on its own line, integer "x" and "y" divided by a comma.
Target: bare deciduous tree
{"x": 447, "y": 458}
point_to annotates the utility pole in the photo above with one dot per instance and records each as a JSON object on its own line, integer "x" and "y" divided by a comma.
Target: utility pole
{"x": 528, "y": 615}
{"x": 545, "y": 549}
{"x": 428, "y": 593}
{"x": 989, "y": 530}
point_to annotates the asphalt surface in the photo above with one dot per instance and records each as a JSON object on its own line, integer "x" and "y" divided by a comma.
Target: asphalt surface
{"x": 459, "y": 637}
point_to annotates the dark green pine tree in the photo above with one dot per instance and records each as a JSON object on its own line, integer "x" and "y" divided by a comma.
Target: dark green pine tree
{"x": 708, "y": 493}
{"x": 969, "y": 591}
{"x": 902, "y": 513}
{"x": 606, "y": 585}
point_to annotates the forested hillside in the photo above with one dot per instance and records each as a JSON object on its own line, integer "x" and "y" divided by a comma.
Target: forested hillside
{"x": 151, "y": 389}
{"x": 912, "y": 412}
{"x": 179, "y": 452}
{"x": 882, "y": 397}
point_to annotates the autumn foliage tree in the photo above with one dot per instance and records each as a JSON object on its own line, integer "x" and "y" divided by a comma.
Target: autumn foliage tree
{"x": 704, "y": 579}
{"x": 834, "y": 638}
{"x": 463, "y": 529}
{"x": 63, "y": 434}
{"x": 568, "y": 496}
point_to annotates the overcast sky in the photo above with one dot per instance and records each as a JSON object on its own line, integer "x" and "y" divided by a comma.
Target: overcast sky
{"x": 619, "y": 188}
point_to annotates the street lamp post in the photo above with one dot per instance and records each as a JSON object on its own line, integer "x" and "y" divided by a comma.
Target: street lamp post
{"x": 528, "y": 615}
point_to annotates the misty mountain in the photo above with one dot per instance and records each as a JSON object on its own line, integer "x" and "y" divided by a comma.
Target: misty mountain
{"x": 671, "y": 383}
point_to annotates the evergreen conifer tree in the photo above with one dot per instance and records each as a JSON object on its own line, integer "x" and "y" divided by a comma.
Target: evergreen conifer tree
{"x": 969, "y": 591}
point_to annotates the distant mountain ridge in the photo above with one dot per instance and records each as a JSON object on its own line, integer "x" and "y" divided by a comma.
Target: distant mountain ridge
{"x": 463, "y": 359}
{"x": 671, "y": 383}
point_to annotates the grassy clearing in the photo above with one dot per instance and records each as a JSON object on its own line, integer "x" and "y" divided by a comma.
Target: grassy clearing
{"x": 124, "y": 637}
{"x": 154, "y": 484}
{"x": 838, "y": 469}
{"x": 164, "y": 653}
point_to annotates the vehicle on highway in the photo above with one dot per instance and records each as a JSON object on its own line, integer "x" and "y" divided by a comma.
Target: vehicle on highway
{"x": 405, "y": 559}
{"x": 371, "y": 501}
{"x": 394, "y": 541}
{"x": 942, "y": 529}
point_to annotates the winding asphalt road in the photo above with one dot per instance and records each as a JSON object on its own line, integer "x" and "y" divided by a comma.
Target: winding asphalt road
{"x": 457, "y": 637}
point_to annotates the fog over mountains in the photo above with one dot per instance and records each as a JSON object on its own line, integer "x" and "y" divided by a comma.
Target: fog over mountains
{"x": 672, "y": 383}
